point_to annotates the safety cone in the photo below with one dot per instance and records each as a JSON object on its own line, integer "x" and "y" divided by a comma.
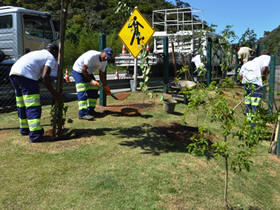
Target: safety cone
{"x": 116, "y": 75}
{"x": 147, "y": 47}
{"x": 66, "y": 76}
{"x": 123, "y": 50}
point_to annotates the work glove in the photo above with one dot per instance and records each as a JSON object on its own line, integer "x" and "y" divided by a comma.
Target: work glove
{"x": 107, "y": 90}
{"x": 94, "y": 83}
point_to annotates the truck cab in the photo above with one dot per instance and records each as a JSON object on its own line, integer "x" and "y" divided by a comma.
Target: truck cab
{"x": 23, "y": 30}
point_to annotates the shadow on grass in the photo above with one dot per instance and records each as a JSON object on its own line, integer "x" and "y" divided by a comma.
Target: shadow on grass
{"x": 178, "y": 113}
{"x": 17, "y": 128}
{"x": 125, "y": 112}
{"x": 249, "y": 208}
{"x": 155, "y": 140}
{"x": 10, "y": 128}
{"x": 161, "y": 139}
{"x": 70, "y": 134}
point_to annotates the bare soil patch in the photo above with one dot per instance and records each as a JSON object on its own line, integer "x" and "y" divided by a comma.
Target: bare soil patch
{"x": 3, "y": 135}
{"x": 122, "y": 95}
{"x": 274, "y": 157}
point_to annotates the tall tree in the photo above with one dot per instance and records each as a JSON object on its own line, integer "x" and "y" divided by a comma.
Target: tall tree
{"x": 248, "y": 38}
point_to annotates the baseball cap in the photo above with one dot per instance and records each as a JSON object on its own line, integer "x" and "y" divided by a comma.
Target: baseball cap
{"x": 53, "y": 47}
{"x": 108, "y": 52}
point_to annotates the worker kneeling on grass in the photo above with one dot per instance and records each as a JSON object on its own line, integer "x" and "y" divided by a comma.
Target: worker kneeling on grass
{"x": 24, "y": 76}
{"x": 86, "y": 84}
{"x": 253, "y": 73}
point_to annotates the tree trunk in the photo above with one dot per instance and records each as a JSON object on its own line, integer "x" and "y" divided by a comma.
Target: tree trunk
{"x": 226, "y": 184}
{"x": 58, "y": 109}
{"x": 174, "y": 59}
{"x": 226, "y": 180}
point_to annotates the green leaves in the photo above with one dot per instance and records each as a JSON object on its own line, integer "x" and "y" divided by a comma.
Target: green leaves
{"x": 58, "y": 117}
{"x": 241, "y": 161}
{"x": 146, "y": 68}
{"x": 221, "y": 149}
{"x": 199, "y": 146}
{"x": 218, "y": 109}
{"x": 248, "y": 38}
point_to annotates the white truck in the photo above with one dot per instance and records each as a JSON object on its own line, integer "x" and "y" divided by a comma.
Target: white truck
{"x": 21, "y": 30}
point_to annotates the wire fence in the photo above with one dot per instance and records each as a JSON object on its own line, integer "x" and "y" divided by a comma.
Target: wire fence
{"x": 7, "y": 95}
{"x": 277, "y": 84}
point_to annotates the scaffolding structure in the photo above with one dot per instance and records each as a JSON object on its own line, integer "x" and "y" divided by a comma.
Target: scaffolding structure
{"x": 180, "y": 26}
{"x": 180, "y": 19}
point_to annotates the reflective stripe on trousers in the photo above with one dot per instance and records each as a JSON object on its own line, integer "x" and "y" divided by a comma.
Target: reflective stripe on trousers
{"x": 86, "y": 93}
{"x": 28, "y": 105}
{"x": 253, "y": 96}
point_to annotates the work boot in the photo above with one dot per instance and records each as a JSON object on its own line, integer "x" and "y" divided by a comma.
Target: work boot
{"x": 86, "y": 117}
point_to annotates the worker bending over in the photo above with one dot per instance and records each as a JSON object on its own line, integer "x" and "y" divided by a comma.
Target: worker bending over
{"x": 86, "y": 84}
{"x": 253, "y": 73}
{"x": 24, "y": 76}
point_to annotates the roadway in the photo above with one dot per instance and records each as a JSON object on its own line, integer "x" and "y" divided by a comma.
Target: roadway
{"x": 7, "y": 97}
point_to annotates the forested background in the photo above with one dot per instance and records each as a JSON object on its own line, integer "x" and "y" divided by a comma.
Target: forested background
{"x": 88, "y": 18}
{"x": 272, "y": 40}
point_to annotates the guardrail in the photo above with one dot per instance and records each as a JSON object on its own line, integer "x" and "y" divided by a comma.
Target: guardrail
{"x": 8, "y": 103}
{"x": 128, "y": 60}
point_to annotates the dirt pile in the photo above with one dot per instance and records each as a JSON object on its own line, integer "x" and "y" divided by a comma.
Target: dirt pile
{"x": 121, "y": 96}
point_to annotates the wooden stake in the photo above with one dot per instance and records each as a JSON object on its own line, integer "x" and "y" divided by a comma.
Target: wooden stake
{"x": 57, "y": 121}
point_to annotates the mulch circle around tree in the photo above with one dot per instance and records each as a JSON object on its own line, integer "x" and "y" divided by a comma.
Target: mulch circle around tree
{"x": 128, "y": 110}
{"x": 65, "y": 135}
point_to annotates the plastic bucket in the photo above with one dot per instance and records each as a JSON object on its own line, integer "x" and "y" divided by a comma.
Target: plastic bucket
{"x": 169, "y": 105}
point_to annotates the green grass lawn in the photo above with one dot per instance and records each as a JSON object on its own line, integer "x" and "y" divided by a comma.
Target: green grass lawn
{"x": 121, "y": 162}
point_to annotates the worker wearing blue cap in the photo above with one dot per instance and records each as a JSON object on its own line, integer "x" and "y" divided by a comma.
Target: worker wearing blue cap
{"x": 86, "y": 84}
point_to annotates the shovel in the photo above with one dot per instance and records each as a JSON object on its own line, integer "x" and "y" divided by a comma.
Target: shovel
{"x": 120, "y": 96}
{"x": 114, "y": 97}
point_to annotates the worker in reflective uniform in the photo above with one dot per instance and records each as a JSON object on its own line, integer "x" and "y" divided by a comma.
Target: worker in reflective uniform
{"x": 86, "y": 84}
{"x": 253, "y": 73}
{"x": 24, "y": 76}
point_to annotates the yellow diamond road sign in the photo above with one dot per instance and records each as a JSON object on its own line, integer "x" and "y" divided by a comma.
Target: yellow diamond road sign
{"x": 136, "y": 32}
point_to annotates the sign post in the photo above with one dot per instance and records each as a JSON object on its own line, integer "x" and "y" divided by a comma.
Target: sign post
{"x": 134, "y": 88}
{"x": 135, "y": 33}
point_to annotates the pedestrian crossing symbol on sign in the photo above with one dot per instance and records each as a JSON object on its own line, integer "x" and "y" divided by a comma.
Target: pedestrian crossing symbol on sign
{"x": 136, "y": 32}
